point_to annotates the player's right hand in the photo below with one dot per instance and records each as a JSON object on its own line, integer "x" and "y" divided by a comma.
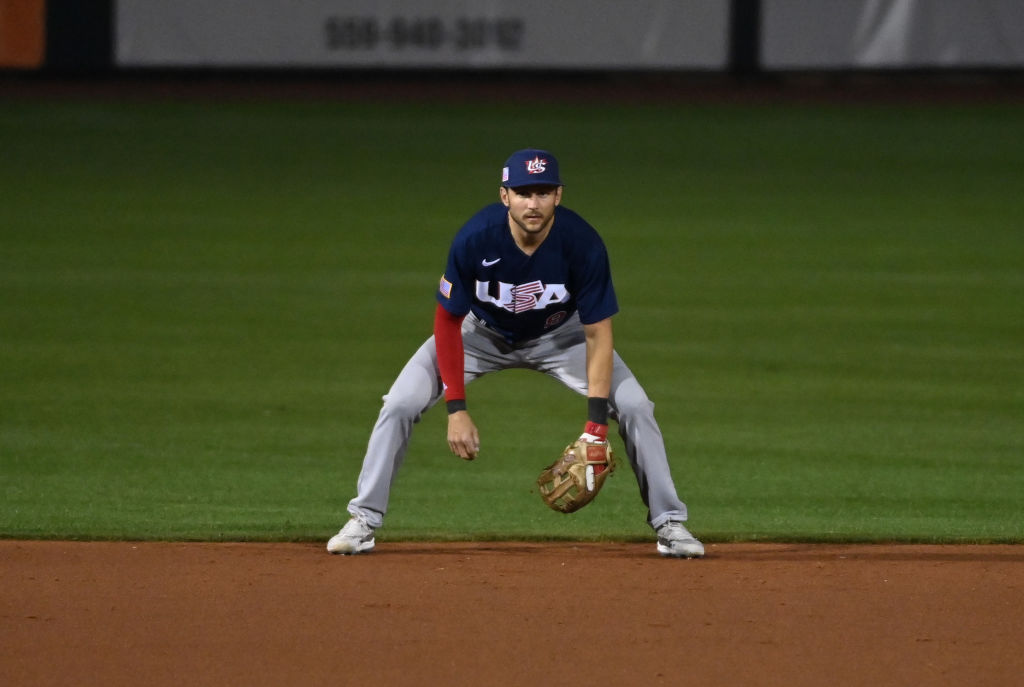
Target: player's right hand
{"x": 463, "y": 437}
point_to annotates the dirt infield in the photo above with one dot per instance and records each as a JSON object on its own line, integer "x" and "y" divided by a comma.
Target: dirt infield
{"x": 509, "y": 614}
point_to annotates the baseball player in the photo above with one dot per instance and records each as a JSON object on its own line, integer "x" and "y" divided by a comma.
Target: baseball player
{"x": 527, "y": 285}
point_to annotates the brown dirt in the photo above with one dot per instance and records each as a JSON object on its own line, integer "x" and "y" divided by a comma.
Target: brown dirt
{"x": 495, "y": 614}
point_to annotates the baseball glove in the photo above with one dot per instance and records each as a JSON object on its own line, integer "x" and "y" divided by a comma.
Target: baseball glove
{"x": 573, "y": 480}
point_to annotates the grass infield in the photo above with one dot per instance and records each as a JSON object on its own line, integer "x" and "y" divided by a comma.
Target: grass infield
{"x": 202, "y": 303}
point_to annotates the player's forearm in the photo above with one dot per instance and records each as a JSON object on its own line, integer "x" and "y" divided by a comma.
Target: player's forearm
{"x": 600, "y": 352}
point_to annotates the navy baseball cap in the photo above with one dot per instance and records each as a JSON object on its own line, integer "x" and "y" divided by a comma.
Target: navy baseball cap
{"x": 529, "y": 167}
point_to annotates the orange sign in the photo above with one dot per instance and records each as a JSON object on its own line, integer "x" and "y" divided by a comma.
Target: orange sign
{"x": 22, "y": 33}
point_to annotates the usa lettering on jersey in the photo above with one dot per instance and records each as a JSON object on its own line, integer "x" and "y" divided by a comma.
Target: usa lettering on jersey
{"x": 516, "y": 298}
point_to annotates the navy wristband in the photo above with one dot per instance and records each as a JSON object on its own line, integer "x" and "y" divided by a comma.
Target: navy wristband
{"x": 456, "y": 405}
{"x": 597, "y": 410}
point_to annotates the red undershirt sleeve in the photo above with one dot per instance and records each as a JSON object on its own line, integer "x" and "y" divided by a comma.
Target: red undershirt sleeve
{"x": 450, "y": 354}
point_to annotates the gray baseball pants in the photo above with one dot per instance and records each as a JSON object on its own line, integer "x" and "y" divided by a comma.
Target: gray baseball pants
{"x": 562, "y": 354}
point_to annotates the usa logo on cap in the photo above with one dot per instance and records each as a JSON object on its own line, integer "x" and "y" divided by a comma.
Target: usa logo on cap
{"x": 531, "y": 166}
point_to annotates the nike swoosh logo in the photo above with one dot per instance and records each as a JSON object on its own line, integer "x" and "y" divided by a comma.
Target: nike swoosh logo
{"x": 488, "y": 263}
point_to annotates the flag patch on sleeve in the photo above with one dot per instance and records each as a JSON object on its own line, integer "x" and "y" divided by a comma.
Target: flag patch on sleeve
{"x": 446, "y": 287}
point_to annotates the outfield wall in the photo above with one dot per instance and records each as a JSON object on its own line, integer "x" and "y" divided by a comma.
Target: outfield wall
{"x": 476, "y": 35}
{"x": 891, "y": 34}
{"x": 465, "y": 34}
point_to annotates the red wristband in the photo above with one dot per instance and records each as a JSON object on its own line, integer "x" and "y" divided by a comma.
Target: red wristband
{"x": 599, "y": 431}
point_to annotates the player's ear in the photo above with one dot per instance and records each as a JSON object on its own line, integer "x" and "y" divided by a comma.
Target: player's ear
{"x": 503, "y": 194}
{"x": 558, "y": 196}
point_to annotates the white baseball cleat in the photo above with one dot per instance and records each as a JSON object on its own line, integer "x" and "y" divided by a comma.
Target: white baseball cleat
{"x": 355, "y": 537}
{"x": 676, "y": 541}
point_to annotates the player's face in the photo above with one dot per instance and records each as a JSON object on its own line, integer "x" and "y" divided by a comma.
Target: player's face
{"x": 532, "y": 208}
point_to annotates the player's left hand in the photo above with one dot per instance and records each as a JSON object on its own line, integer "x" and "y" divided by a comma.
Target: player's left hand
{"x": 574, "y": 480}
{"x": 463, "y": 437}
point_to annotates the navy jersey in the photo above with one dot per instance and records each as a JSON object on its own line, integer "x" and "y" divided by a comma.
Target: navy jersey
{"x": 524, "y": 296}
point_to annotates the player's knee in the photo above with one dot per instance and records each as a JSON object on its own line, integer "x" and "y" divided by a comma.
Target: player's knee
{"x": 630, "y": 401}
{"x": 634, "y": 408}
{"x": 403, "y": 406}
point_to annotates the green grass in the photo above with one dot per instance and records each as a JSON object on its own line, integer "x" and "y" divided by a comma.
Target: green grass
{"x": 202, "y": 303}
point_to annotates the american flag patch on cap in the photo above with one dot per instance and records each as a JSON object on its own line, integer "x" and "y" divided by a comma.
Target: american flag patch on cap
{"x": 446, "y": 287}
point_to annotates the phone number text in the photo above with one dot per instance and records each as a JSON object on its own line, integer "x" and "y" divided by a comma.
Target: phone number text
{"x": 424, "y": 33}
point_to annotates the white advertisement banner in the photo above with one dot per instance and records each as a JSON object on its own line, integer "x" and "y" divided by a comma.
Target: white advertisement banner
{"x": 884, "y": 34}
{"x": 567, "y": 34}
